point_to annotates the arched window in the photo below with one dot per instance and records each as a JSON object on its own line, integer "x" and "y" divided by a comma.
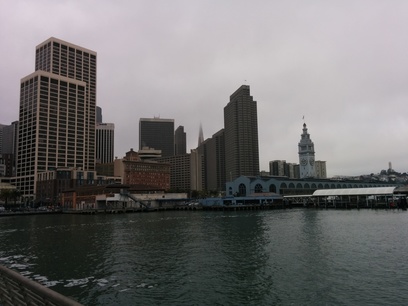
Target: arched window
{"x": 272, "y": 188}
{"x": 326, "y": 186}
{"x": 242, "y": 190}
{"x": 307, "y": 186}
{"x": 283, "y": 186}
{"x": 313, "y": 186}
{"x": 332, "y": 186}
{"x": 230, "y": 191}
{"x": 291, "y": 186}
{"x": 320, "y": 186}
{"x": 299, "y": 186}
{"x": 258, "y": 188}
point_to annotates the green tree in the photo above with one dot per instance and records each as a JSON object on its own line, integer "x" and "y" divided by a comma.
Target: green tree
{"x": 15, "y": 194}
{"x": 5, "y": 195}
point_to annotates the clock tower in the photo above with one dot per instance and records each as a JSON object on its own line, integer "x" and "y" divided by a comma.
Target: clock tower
{"x": 306, "y": 155}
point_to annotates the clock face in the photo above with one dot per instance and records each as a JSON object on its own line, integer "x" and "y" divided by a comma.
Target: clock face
{"x": 303, "y": 161}
{"x": 311, "y": 161}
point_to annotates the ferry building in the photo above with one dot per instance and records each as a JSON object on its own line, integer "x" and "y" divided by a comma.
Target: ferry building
{"x": 250, "y": 185}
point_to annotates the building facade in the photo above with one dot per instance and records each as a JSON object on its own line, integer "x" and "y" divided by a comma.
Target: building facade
{"x": 105, "y": 142}
{"x": 213, "y": 153}
{"x": 57, "y": 113}
{"x": 135, "y": 171}
{"x": 241, "y": 135}
{"x": 158, "y": 134}
{"x": 282, "y": 168}
{"x": 320, "y": 168}
{"x": 51, "y": 184}
{"x": 248, "y": 186}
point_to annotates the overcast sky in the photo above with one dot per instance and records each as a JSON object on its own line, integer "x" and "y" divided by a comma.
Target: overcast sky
{"x": 343, "y": 65}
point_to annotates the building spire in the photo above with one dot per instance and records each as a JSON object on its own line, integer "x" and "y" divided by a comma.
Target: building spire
{"x": 200, "y": 135}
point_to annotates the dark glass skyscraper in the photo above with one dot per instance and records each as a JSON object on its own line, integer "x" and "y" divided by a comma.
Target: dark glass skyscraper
{"x": 158, "y": 134}
{"x": 180, "y": 141}
{"x": 241, "y": 135}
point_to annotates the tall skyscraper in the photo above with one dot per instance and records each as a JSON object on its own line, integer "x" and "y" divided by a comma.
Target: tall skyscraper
{"x": 306, "y": 155}
{"x": 180, "y": 141}
{"x": 57, "y": 113}
{"x": 105, "y": 140}
{"x": 8, "y": 146}
{"x": 158, "y": 134}
{"x": 241, "y": 135}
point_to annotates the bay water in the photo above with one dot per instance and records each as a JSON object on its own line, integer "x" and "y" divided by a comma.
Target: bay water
{"x": 274, "y": 257}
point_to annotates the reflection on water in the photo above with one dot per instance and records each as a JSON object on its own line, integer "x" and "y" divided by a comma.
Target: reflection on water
{"x": 305, "y": 256}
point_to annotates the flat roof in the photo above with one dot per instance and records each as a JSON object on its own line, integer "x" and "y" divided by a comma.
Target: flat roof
{"x": 354, "y": 191}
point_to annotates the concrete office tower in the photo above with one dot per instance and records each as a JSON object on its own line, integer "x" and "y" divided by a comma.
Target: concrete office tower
{"x": 180, "y": 141}
{"x": 241, "y": 135}
{"x": 320, "y": 169}
{"x": 282, "y": 168}
{"x": 105, "y": 141}
{"x": 57, "y": 113}
{"x": 98, "y": 115}
{"x": 277, "y": 167}
{"x": 158, "y": 134}
{"x": 306, "y": 155}
{"x": 212, "y": 151}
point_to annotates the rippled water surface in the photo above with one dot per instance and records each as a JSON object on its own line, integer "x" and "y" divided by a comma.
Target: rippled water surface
{"x": 280, "y": 257}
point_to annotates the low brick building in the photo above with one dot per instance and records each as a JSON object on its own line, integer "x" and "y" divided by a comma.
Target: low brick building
{"x": 135, "y": 171}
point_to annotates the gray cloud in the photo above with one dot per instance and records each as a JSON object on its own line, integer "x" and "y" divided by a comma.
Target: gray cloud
{"x": 341, "y": 64}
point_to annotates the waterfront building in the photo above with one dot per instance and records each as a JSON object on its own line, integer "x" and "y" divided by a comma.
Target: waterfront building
{"x": 180, "y": 141}
{"x": 157, "y": 133}
{"x": 105, "y": 140}
{"x": 57, "y": 113}
{"x": 249, "y": 185}
{"x": 241, "y": 135}
{"x": 306, "y": 155}
{"x": 135, "y": 171}
{"x": 52, "y": 183}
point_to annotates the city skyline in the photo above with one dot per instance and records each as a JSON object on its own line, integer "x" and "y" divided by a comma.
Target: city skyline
{"x": 342, "y": 66}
